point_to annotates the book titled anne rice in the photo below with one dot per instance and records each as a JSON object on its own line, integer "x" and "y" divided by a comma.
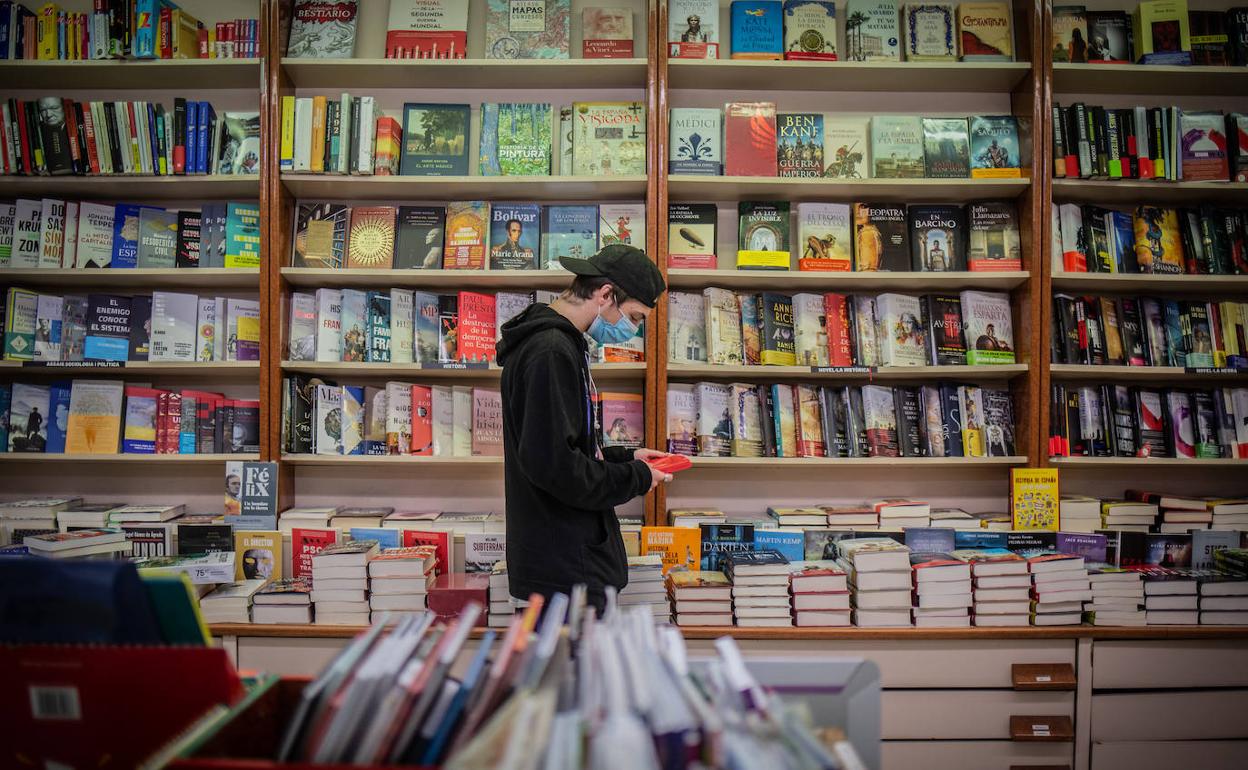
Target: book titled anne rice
{"x": 608, "y": 138}
{"x": 930, "y": 31}
{"x": 607, "y": 33}
{"x": 568, "y": 231}
{"x": 467, "y": 231}
{"x": 695, "y": 143}
{"x": 876, "y": 37}
{"x": 881, "y": 240}
{"x": 824, "y": 239}
{"x": 897, "y": 147}
{"x": 691, "y": 235}
{"x": 693, "y": 29}
{"x": 985, "y": 32}
{"x": 994, "y": 147}
{"x": 810, "y": 30}
{"x": 427, "y": 29}
{"x": 987, "y": 324}
{"x": 846, "y": 144}
{"x": 320, "y": 29}
{"x": 993, "y": 240}
{"x": 946, "y": 148}
{"x": 527, "y": 29}
{"x": 763, "y": 235}
{"x": 435, "y": 139}
{"x": 516, "y": 139}
{"x": 799, "y": 144}
{"x": 515, "y": 235}
{"x": 750, "y": 139}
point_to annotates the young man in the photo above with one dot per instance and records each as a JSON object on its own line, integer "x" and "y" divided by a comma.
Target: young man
{"x": 561, "y": 485}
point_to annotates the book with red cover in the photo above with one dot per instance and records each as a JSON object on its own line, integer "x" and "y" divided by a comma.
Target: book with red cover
{"x": 451, "y": 592}
{"x": 306, "y": 543}
{"x": 836, "y": 310}
{"x": 670, "y": 463}
{"x": 422, "y": 420}
{"x": 441, "y": 542}
{"x": 750, "y": 139}
{"x": 476, "y": 327}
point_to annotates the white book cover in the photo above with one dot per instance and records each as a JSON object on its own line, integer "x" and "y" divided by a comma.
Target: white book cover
{"x": 695, "y": 143}
{"x": 846, "y": 147}
{"x": 508, "y": 305}
{"x": 174, "y": 318}
{"x": 900, "y": 332}
{"x": 205, "y": 330}
{"x": 868, "y": 353}
{"x": 682, "y": 418}
{"x": 52, "y": 233}
{"x": 714, "y": 419}
{"x": 482, "y": 551}
{"x": 218, "y": 331}
{"x": 302, "y": 327}
{"x": 402, "y": 326}
{"x": 234, "y": 310}
{"x": 352, "y": 421}
{"x": 8, "y": 212}
{"x": 623, "y": 223}
{"x": 69, "y": 255}
{"x": 443, "y": 421}
{"x": 364, "y": 161}
{"x": 462, "y": 421}
{"x": 723, "y": 327}
{"x": 48, "y": 328}
{"x": 303, "y": 134}
{"x": 95, "y": 235}
{"x": 810, "y": 333}
{"x": 328, "y": 325}
{"x": 399, "y": 417}
{"x": 27, "y": 227}
{"x": 686, "y": 328}
{"x": 353, "y": 319}
{"x": 693, "y": 29}
{"x": 327, "y": 416}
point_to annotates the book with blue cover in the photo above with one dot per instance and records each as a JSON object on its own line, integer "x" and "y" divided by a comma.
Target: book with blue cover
{"x": 930, "y": 539}
{"x": 757, "y": 29}
{"x": 790, "y": 545}
{"x": 568, "y": 231}
{"x": 721, "y": 539}
{"x": 58, "y": 415}
{"x": 978, "y": 538}
{"x": 386, "y": 538}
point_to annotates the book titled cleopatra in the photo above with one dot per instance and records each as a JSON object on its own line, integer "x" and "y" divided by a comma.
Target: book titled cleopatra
{"x": 763, "y": 235}
{"x": 750, "y": 139}
{"x": 466, "y": 234}
{"x": 881, "y": 240}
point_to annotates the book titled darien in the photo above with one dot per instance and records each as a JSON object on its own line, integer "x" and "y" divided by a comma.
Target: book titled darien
{"x": 993, "y": 241}
{"x": 515, "y": 139}
{"x": 607, "y": 33}
{"x": 810, "y": 30}
{"x": 750, "y": 139}
{"x": 986, "y": 319}
{"x": 929, "y": 32}
{"x": 824, "y": 237}
{"x": 881, "y": 240}
{"x": 466, "y": 234}
{"x": 515, "y": 235}
{"x": 875, "y": 37}
{"x": 527, "y": 29}
{"x": 985, "y": 32}
{"x": 696, "y": 142}
{"x": 427, "y": 29}
{"x": 323, "y": 29}
{"x": 763, "y": 236}
{"x": 608, "y": 138}
{"x": 897, "y": 147}
{"x": 435, "y": 139}
{"x": 719, "y": 540}
{"x": 693, "y": 29}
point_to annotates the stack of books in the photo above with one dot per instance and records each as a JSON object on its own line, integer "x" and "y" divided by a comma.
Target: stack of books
{"x": 880, "y": 580}
{"x": 695, "y": 517}
{"x": 501, "y": 608}
{"x": 31, "y": 517}
{"x": 1002, "y": 586}
{"x": 760, "y": 588}
{"x": 1181, "y": 514}
{"x": 1079, "y": 513}
{"x": 1128, "y": 516}
{"x": 230, "y": 602}
{"x": 1170, "y": 597}
{"x": 306, "y": 518}
{"x": 898, "y": 514}
{"x": 953, "y": 518}
{"x": 288, "y": 600}
{"x": 399, "y": 580}
{"x": 853, "y": 518}
{"x": 820, "y": 594}
{"x": 340, "y": 582}
{"x": 87, "y": 515}
{"x": 1117, "y": 597}
{"x": 79, "y": 544}
{"x": 797, "y": 519}
{"x": 1228, "y": 514}
{"x": 700, "y": 598}
{"x": 942, "y": 591}
{"x": 645, "y": 586}
{"x": 1059, "y": 586}
{"x": 1224, "y": 599}
{"x": 347, "y": 519}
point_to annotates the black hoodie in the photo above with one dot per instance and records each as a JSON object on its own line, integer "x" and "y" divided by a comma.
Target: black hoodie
{"x": 561, "y": 497}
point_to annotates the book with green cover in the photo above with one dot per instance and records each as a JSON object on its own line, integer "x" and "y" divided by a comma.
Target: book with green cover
{"x": 242, "y": 235}
{"x": 177, "y": 608}
{"x": 516, "y": 139}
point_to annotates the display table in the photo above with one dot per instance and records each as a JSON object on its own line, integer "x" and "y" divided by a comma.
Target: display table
{"x": 1158, "y": 696}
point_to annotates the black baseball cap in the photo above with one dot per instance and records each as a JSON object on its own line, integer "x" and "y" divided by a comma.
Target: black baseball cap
{"x": 627, "y": 267}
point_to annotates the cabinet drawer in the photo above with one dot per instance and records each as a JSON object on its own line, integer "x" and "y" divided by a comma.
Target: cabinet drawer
{"x": 1170, "y": 715}
{"x": 964, "y": 714}
{"x": 952, "y": 664}
{"x": 1137, "y": 665}
{"x": 973, "y": 755}
{"x": 1167, "y": 755}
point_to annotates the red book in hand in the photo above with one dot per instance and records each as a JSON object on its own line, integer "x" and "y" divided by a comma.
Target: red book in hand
{"x": 670, "y": 463}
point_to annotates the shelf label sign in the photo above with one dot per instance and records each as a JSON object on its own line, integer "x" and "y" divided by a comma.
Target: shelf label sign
{"x": 74, "y": 364}
{"x": 1214, "y": 370}
{"x": 456, "y": 365}
{"x": 842, "y": 370}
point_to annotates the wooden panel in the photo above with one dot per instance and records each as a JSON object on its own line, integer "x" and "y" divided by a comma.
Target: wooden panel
{"x": 495, "y": 74}
{"x": 1183, "y": 664}
{"x": 972, "y": 755}
{"x": 740, "y": 75}
{"x": 1168, "y": 755}
{"x": 1032, "y": 728}
{"x": 965, "y": 714}
{"x": 1043, "y": 676}
{"x": 1134, "y": 79}
{"x": 1170, "y": 715}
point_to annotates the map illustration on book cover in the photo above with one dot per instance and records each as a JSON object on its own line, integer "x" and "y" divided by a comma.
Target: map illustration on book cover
{"x": 435, "y": 139}
{"x": 528, "y": 29}
{"x": 323, "y": 29}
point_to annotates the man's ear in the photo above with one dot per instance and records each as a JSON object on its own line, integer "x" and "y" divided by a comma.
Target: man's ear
{"x": 605, "y": 292}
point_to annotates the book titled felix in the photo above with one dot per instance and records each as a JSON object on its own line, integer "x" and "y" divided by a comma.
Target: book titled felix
{"x": 1034, "y": 498}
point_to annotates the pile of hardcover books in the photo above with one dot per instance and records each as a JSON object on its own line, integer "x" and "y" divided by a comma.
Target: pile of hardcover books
{"x": 501, "y": 607}
{"x": 760, "y": 587}
{"x": 1002, "y": 586}
{"x": 1171, "y": 596}
{"x": 645, "y": 586}
{"x": 1224, "y": 596}
{"x": 1060, "y": 586}
{"x": 1079, "y": 513}
{"x": 231, "y": 602}
{"x": 79, "y": 544}
{"x": 880, "y": 578}
{"x": 1117, "y": 598}
{"x": 942, "y": 591}
{"x": 288, "y": 600}
{"x": 700, "y": 598}
{"x": 820, "y": 594}
{"x": 399, "y": 579}
{"x": 340, "y": 582}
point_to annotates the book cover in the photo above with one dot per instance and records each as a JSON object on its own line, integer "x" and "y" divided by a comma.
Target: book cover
{"x": 352, "y": 420}
{"x": 371, "y": 242}
{"x": 880, "y": 416}
{"x": 481, "y": 552}
{"x": 1109, "y": 37}
{"x": 427, "y": 29}
{"x": 824, "y": 237}
{"x": 516, "y": 139}
{"x": 20, "y": 323}
{"x": 475, "y": 331}
{"x": 722, "y": 318}
{"x": 810, "y": 30}
{"x": 623, "y": 420}
{"x": 447, "y": 328}
{"x": 374, "y": 421}
{"x": 946, "y": 148}
{"x": 881, "y": 238}
{"x": 986, "y": 318}
{"x": 693, "y": 29}
{"x": 677, "y": 546}
{"x": 327, "y": 420}
{"x": 607, "y": 33}
{"x": 985, "y": 32}
{"x": 750, "y": 139}
{"x": 140, "y": 343}
{"x": 783, "y": 419}
{"x": 608, "y": 138}
{"x": 435, "y": 139}
{"x": 901, "y": 335}
{"x": 998, "y": 423}
{"x": 322, "y": 29}
{"x": 810, "y": 335}
{"x": 946, "y": 343}
{"x": 1162, "y": 33}
{"x": 515, "y": 235}
{"x": 776, "y": 316}
{"x": 487, "y": 422}
{"x": 692, "y": 235}
{"x": 695, "y": 144}
{"x": 419, "y": 242}
{"x": 799, "y": 144}
{"x": 747, "y": 420}
{"x": 173, "y": 324}
{"x": 846, "y": 143}
{"x": 1203, "y": 146}
{"x": 568, "y": 231}
{"x": 1034, "y": 498}
{"x": 622, "y": 223}
{"x": 108, "y": 328}
{"x": 398, "y": 401}
{"x": 993, "y": 239}
{"x": 1070, "y": 34}
{"x": 48, "y": 309}
{"x": 897, "y": 147}
{"x": 719, "y": 540}
{"x": 875, "y": 35}
{"x": 714, "y": 419}
{"x": 188, "y": 230}
{"x": 757, "y": 29}
{"x": 1158, "y": 244}
{"x": 994, "y": 147}
{"x": 329, "y": 325}
{"x": 320, "y": 235}
{"x": 378, "y": 341}
{"x": 937, "y": 238}
{"x": 467, "y": 231}
{"x": 258, "y": 555}
{"x": 930, "y": 32}
{"x": 51, "y": 233}
{"x": 95, "y": 417}
{"x": 242, "y": 235}
{"x": 354, "y": 319}
{"x": 238, "y": 143}
{"x": 682, "y": 419}
{"x": 28, "y": 417}
{"x": 73, "y": 327}
{"x": 95, "y": 235}
{"x": 763, "y": 235}
{"x": 810, "y": 441}
{"x": 422, "y": 420}
{"x": 687, "y": 341}
{"x": 527, "y": 29}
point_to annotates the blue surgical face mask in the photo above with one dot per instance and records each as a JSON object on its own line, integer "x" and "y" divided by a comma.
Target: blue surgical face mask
{"x": 605, "y": 333}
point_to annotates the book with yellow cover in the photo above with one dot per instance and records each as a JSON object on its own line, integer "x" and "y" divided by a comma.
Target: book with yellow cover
{"x": 1034, "y": 498}
{"x": 677, "y": 546}
{"x": 257, "y": 555}
{"x": 94, "y": 417}
{"x": 1158, "y": 245}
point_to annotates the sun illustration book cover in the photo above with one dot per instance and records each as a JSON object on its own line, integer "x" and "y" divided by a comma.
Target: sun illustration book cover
{"x": 372, "y": 237}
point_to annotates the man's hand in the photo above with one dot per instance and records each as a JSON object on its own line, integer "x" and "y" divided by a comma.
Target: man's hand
{"x": 644, "y": 454}
{"x": 656, "y": 476}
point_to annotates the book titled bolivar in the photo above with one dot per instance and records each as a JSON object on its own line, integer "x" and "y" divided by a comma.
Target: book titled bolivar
{"x": 427, "y": 29}
{"x": 750, "y": 139}
{"x": 435, "y": 139}
{"x": 763, "y": 236}
{"x": 1158, "y": 244}
{"x": 515, "y": 235}
{"x": 515, "y": 139}
{"x": 323, "y": 29}
{"x": 693, "y": 29}
{"x": 881, "y": 239}
{"x": 527, "y": 29}
{"x": 94, "y": 417}
{"x": 608, "y": 138}
{"x": 810, "y": 30}
{"x": 371, "y": 245}
{"x": 679, "y": 547}
{"x": 757, "y": 29}
{"x": 466, "y": 235}
{"x": 1034, "y": 498}
{"x": 984, "y": 32}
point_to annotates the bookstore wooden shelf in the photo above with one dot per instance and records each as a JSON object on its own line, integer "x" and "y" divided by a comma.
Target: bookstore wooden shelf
{"x": 883, "y": 373}
{"x": 495, "y": 74}
{"x": 691, "y": 187}
{"x": 1128, "y": 282}
{"x": 185, "y": 75}
{"x": 411, "y": 461}
{"x": 855, "y": 463}
{"x": 121, "y": 459}
{"x": 452, "y": 188}
{"x": 136, "y": 278}
{"x": 210, "y": 369}
{"x": 612, "y": 372}
{"x": 1096, "y": 463}
{"x": 1128, "y": 192}
{"x": 1152, "y": 80}
{"x": 183, "y": 188}
{"x": 845, "y": 76}
{"x": 1156, "y": 374}
{"x": 312, "y": 277}
{"x": 795, "y": 280}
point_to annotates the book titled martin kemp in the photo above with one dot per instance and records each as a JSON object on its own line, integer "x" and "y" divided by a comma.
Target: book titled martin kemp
{"x": 937, "y": 238}
{"x": 420, "y": 240}
{"x": 881, "y": 241}
{"x": 108, "y": 328}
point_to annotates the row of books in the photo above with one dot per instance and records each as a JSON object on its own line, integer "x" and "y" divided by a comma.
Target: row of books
{"x": 467, "y": 235}
{"x": 1145, "y": 331}
{"x": 51, "y": 233}
{"x": 820, "y": 330}
{"x": 116, "y": 29}
{"x": 111, "y": 417}
{"x": 1141, "y": 511}
{"x": 751, "y": 139}
{"x": 875, "y": 30}
{"x": 349, "y": 135}
{"x": 1156, "y": 33}
{"x": 1151, "y": 239}
{"x": 1121, "y": 421}
{"x": 1164, "y": 143}
{"x": 58, "y": 137}
{"x": 161, "y": 327}
{"x": 741, "y": 420}
{"x": 399, "y": 418}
